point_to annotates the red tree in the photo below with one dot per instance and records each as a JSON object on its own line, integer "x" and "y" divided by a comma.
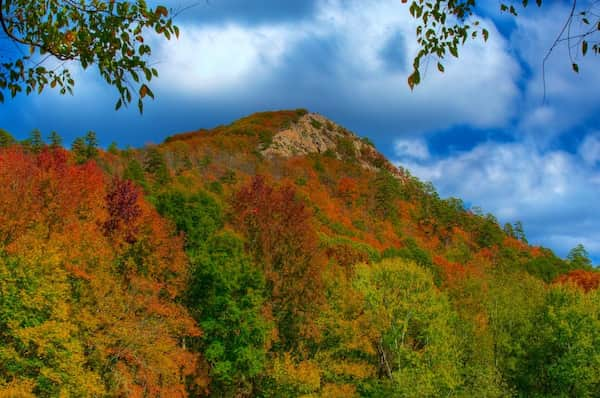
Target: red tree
{"x": 586, "y": 280}
{"x": 282, "y": 239}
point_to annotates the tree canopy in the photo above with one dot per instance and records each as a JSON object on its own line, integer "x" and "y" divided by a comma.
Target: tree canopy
{"x": 51, "y": 38}
{"x": 446, "y": 25}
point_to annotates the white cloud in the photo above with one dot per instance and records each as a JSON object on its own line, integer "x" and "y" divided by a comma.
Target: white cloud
{"x": 590, "y": 149}
{"x": 571, "y": 98}
{"x": 217, "y": 59}
{"x": 411, "y": 148}
{"x": 238, "y": 60}
{"x": 553, "y": 192}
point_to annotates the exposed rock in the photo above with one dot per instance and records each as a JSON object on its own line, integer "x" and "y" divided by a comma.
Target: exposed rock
{"x": 313, "y": 133}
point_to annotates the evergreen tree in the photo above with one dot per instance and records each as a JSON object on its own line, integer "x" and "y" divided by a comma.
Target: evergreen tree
{"x": 154, "y": 163}
{"x": 509, "y": 230}
{"x": 6, "y": 139}
{"x": 35, "y": 140}
{"x": 91, "y": 145}
{"x": 79, "y": 150}
{"x": 579, "y": 258}
{"x": 387, "y": 189}
{"x": 519, "y": 232}
{"x": 55, "y": 140}
{"x": 135, "y": 172}
{"x": 113, "y": 148}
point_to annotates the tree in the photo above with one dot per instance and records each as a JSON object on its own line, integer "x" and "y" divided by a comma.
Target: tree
{"x": 509, "y": 230}
{"x": 6, "y": 139}
{"x": 411, "y": 328}
{"x": 113, "y": 148}
{"x": 154, "y": 163}
{"x": 445, "y": 25}
{"x": 387, "y": 190}
{"x": 578, "y": 257}
{"x": 107, "y": 34}
{"x": 226, "y": 295}
{"x": 91, "y": 145}
{"x": 520, "y": 232}
{"x": 281, "y": 237}
{"x": 79, "y": 150}
{"x": 35, "y": 141}
{"x": 55, "y": 140}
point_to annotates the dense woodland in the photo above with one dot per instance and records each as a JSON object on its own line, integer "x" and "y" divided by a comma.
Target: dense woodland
{"x": 201, "y": 267}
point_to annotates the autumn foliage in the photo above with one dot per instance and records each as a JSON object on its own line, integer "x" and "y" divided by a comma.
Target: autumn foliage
{"x": 282, "y": 239}
{"x": 586, "y": 280}
{"x": 204, "y": 266}
{"x": 110, "y": 270}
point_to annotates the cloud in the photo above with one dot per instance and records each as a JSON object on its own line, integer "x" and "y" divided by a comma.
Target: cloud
{"x": 570, "y": 98}
{"x": 553, "y": 192}
{"x": 209, "y": 60}
{"x": 349, "y": 58}
{"x": 413, "y": 149}
{"x": 589, "y": 149}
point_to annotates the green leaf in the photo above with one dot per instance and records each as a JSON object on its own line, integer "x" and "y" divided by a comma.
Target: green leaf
{"x": 575, "y": 68}
{"x": 584, "y": 47}
{"x": 440, "y": 67}
{"x": 485, "y": 34}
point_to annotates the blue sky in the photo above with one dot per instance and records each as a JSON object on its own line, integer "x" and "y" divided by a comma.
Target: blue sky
{"x": 480, "y": 131}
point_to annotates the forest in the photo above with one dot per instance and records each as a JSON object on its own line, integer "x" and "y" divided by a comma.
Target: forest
{"x": 278, "y": 256}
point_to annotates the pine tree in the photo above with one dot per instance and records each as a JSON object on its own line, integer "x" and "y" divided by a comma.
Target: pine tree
{"x": 519, "y": 232}
{"x": 6, "y": 139}
{"x": 509, "y": 230}
{"x": 91, "y": 145}
{"x": 35, "y": 140}
{"x": 579, "y": 257}
{"x": 55, "y": 140}
{"x": 113, "y": 148}
{"x": 79, "y": 150}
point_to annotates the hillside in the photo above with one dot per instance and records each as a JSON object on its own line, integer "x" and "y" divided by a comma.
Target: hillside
{"x": 278, "y": 256}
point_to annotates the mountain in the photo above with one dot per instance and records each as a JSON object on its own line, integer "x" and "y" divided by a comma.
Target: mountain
{"x": 280, "y": 255}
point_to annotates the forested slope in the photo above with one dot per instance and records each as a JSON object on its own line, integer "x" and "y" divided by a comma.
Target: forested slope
{"x": 277, "y": 256}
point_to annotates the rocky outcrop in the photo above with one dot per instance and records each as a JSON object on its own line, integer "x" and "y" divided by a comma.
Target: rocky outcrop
{"x": 313, "y": 133}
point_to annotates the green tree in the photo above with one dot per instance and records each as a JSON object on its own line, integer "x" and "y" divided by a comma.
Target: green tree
{"x": 520, "y": 232}
{"x": 445, "y": 25}
{"x": 509, "y": 230}
{"x": 199, "y": 216}
{"x": 546, "y": 339}
{"x": 113, "y": 148}
{"x": 55, "y": 140}
{"x": 412, "y": 329}
{"x": 578, "y": 257}
{"x": 79, "y": 149}
{"x": 512, "y": 303}
{"x": 6, "y": 139}
{"x": 91, "y": 145}
{"x": 112, "y": 35}
{"x": 564, "y": 353}
{"x": 387, "y": 191}
{"x": 135, "y": 172}
{"x": 154, "y": 163}
{"x": 35, "y": 141}
{"x": 226, "y": 296}
{"x": 40, "y": 351}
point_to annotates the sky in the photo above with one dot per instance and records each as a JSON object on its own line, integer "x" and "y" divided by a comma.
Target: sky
{"x": 482, "y": 131}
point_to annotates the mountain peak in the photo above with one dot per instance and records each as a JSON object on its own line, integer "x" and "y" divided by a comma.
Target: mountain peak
{"x": 310, "y": 133}
{"x": 290, "y": 133}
